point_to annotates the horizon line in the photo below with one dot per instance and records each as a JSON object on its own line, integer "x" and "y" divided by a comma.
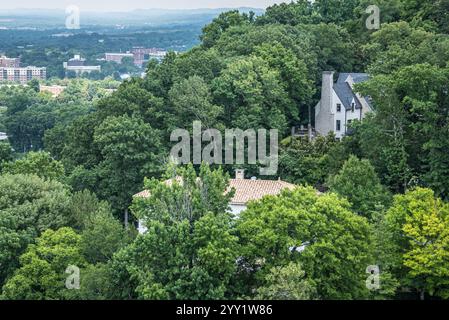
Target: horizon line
{"x": 138, "y": 9}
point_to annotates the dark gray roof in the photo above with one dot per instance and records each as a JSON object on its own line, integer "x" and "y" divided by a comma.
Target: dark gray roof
{"x": 357, "y": 77}
{"x": 344, "y": 91}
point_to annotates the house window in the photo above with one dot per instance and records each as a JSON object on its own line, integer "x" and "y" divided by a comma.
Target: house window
{"x": 352, "y": 107}
{"x": 349, "y": 122}
{"x": 338, "y": 107}
{"x": 338, "y": 125}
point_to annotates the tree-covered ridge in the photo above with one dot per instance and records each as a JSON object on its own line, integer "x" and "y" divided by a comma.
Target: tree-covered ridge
{"x": 378, "y": 197}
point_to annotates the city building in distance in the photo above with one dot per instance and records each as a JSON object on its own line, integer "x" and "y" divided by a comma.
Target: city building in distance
{"x": 10, "y": 70}
{"x": 118, "y": 57}
{"x": 143, "y": 55}
{"x": 77, "y": 65}
{"x": 22, "y": 75}
{"x": 6, "y": 62}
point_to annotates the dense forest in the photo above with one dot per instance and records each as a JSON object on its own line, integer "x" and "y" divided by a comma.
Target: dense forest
{"x": 73, "y": 164}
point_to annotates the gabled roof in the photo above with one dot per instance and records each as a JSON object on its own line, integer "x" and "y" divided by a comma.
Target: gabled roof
{"x": 344, "y": 91}
{"x": 245, "y": 189}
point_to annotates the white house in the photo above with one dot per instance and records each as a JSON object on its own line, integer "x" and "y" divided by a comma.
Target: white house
{"x": 339, "y": 104}
{"x": 246, "y": 190}
{"x": 3, "y": 136}
{"x": 77, "y": 65}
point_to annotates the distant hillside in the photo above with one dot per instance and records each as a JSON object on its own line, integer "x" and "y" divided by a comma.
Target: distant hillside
{"x": 43, "y": 18}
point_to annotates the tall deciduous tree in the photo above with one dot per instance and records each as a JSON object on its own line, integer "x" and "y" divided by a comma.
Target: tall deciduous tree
{"x": 307, "y": 162}
{"x": 293, "y": 13}
{"x": 189, "y": 251}
{"x": 319, "y": 231}
{"x": 294, "y": 74}
{"x": 103, "y": 236}
{"x": 213, "y": 31}
{"x": 419, "y": 224}
{"x": 359, "y": 183}
{"x": 407, "y": 136}
{"x": 192, "y": 101}
{"x": 287, "y": 283}
{"x": 6, "y": 153}
{"x": 42, "y": 272}
{"x": 253, "y": 95}
{"x": 397, "y": 45}
{"x": 28, "y": 207}
{"x": 36, "y": 163}
{"x": 129, "y": 148}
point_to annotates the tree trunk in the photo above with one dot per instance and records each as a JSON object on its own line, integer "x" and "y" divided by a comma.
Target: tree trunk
{"x": 126, "y": 218}
{"x": 422, "y": 295}
{"x": 310, "y": 123}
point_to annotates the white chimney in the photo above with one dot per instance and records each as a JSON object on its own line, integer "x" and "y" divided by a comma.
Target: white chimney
{"x": 324, "y": 118}
{"x": 326, "y": 89}
{"x": 240, "y": 174}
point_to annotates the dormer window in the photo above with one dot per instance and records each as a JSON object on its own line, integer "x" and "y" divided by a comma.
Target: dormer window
{"x": 338, "y": 107}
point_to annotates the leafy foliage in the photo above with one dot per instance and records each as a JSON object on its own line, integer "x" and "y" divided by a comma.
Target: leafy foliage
{"x": 188, "y": 251}
{"x": 334, "y": 241}
{"x": 419, "y": 223}
{"x": 286, "y": 283}
{"x": 6, "y": 153}
{"x": 358, "y": 182}
{"x": 411, "y": 117}
{"x": 42, "y": 272}
{"x": 307, "y": 162}
{"x": 248, "y": 72}
{"x": 36, "y": 163}
{"x": 28, "y": 207}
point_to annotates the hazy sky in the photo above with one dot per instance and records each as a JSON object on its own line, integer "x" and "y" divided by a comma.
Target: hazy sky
{"x": 127, "y": 5}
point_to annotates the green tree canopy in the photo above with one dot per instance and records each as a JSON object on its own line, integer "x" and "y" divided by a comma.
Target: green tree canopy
{"x": 42, "y": 272}
{"x": 29, "y": 205}
{"x": 318, "y": 231}
{"x": 419, "y": 223}
{"x": 36, "y": 163}
{"x": 359, "y": 183}
{"x": 189, "y": 250}
{"x": 305, "y": 162}
{"x": 253, "y": 96}
{"x": 406, "y": 137}
{"x": 212, "y": 32}
{"x": 129, "y": 148}
{"x": 6, "y": 153}
{"x": 287, "y": 283}
{"x": 192, "y": 101}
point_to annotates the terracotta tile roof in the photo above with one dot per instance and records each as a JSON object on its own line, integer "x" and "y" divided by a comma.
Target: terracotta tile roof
{"x": 143, "y": 194}
{"x": 245, "y": 189}
{"x": 54, "y": 90}
{"x": 146, "y": 193}
{"x": 248, "y": 190}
